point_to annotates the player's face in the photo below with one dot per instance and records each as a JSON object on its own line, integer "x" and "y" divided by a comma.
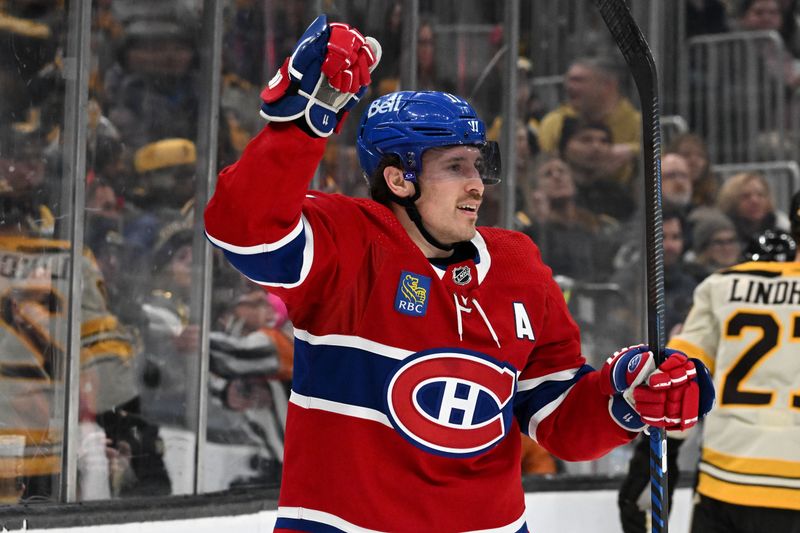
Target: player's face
{"x": 452, "y": 191}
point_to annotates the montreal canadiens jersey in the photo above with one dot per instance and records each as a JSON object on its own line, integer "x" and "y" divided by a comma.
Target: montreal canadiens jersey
{"x": 34, "y": 290}
{"x": 745, "y": 326}
{"x": 408, "y": 377}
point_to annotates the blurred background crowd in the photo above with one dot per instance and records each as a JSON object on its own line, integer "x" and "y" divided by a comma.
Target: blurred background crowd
{"x": 730, "y": 74}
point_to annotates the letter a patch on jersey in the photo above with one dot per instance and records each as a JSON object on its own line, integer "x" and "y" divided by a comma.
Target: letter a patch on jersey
{"x": 412, "y": 294}
{"x": 522, "y": 322}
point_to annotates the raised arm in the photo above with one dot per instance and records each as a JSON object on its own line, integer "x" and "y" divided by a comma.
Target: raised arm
{"x": 255, "y": 215}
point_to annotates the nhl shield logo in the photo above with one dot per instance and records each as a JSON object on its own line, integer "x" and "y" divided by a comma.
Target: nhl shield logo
{"x": 462, "y": 275}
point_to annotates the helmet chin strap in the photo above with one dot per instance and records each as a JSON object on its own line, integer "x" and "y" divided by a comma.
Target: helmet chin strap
{"x": 413, "y": 213}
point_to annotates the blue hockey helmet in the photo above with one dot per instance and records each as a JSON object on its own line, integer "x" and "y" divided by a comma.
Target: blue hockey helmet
{"x": 407, "y": 123}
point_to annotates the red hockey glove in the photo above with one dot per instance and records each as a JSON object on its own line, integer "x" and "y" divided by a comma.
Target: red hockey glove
{"x": 677, "y": 395}
{"x": 674, "y": 396}
{"x": 326, "y": 75}
{"x": 349, "y": 59}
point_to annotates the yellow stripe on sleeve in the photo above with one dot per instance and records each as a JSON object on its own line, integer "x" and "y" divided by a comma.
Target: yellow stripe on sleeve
{"x": 749, "y": 465}
{"x": 692, "y": 350}
{"x": 111, "y": 347}
{"x": 99, "y": 325}
{"x": 749, "y": 495}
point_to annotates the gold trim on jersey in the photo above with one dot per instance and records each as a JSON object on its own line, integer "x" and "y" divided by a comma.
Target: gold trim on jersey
{"x": 39, "y": 437}
{"x": 99, "y": 325}
{"x": 692, "y": 350}
{"x": 749, "y": 495}
{"x": 101, "y": 349}
{"x": 791, "y": 268}
{"x": 748, "y": 465}
{"x": 24, "y": 27}
{"x": 41, "y": 465}
{"x": 39, "y": 245}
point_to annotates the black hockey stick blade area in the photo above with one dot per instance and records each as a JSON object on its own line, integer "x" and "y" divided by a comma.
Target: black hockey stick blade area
{"x": 631, "y": 42}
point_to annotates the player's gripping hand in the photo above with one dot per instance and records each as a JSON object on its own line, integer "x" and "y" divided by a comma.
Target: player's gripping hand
{"x": 326, "y": 75}
{"x": 673, "y": 396}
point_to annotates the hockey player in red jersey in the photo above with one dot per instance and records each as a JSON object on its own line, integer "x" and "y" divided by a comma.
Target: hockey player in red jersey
{"x": 421, "y": 342}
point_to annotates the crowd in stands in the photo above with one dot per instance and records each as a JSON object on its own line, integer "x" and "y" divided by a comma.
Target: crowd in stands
{"x": 578, "y": 198}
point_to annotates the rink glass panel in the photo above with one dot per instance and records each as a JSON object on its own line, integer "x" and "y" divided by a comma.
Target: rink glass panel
{"x": 36, "y": 270}
{"x": 139, "y": 313}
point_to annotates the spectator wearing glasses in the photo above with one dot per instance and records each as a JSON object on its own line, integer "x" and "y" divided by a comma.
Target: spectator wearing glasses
{"x": 715, "y": 244}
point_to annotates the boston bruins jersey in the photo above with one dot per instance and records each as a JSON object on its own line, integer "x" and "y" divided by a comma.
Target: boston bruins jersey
{"x": 745, "y": 325}
{"x": 34, "y": 283}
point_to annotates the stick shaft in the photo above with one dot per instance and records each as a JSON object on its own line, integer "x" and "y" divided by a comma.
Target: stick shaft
{"x": 634, "y": 48}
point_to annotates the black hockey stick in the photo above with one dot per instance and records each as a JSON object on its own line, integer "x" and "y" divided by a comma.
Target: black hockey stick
{"x": 634, "y": 48}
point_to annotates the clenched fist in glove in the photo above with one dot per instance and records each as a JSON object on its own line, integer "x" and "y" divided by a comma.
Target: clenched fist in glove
{"x": 673, "y": 396}
{"x": 326, "y": 75}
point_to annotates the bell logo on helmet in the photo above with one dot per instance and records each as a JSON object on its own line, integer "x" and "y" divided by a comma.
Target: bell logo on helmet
{"x": 385, "y": 105}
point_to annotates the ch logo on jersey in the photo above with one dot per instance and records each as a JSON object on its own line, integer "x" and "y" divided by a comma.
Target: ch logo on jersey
{"x": 450, "y": 402}
{"x": 412, "y": 294}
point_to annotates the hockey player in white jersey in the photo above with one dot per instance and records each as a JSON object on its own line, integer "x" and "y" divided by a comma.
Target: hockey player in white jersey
{"x": 34, "y": 302}
{"x": 745, "y": 326}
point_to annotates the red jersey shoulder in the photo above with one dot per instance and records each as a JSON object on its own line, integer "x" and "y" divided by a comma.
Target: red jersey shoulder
{"x": 356, "y": 218}
{"x": 514, "y": 253}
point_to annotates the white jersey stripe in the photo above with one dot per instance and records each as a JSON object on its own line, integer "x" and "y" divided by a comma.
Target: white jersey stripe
{"x": 303, "y": 513}
{"x": 351, "y": 341}
{"x": 562, "y": 375}
{"x": 485, "y": 259}
{"x": 510, "y": 528}
{"x": 544, "y": 412}
{"x": 308, "y": 259}
{"x": 262, "y": 248}
{"x": 309, "y": 402}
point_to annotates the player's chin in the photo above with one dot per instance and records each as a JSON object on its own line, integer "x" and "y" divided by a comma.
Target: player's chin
{"x": 469, "y": 233}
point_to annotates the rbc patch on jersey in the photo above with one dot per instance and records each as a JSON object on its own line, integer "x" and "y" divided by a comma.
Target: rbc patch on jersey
{"x": 412, "y": 294}
{"x": 450, "y": 402}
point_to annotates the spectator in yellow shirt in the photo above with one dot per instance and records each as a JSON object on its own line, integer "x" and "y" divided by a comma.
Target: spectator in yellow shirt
{"x": 593, "y": 95}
